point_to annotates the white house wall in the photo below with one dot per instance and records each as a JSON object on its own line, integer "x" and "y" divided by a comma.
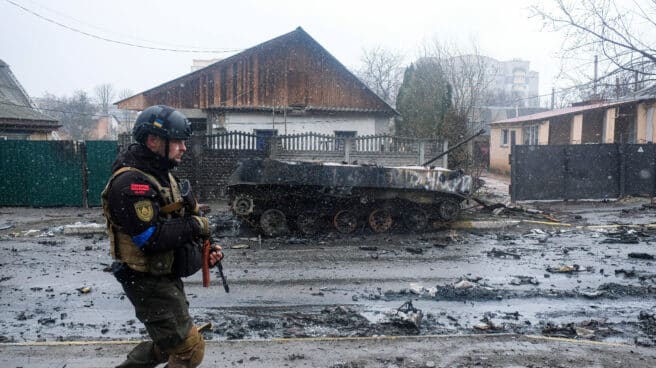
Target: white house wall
{"x": 323, "y": 124}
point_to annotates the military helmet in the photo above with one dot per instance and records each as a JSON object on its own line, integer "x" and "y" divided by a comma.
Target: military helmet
{"x": 163, "y": 121}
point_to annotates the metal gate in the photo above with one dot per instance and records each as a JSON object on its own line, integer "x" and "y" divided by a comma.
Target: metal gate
{"x": 591, "y": 171}
{"x": 54, "y": 173}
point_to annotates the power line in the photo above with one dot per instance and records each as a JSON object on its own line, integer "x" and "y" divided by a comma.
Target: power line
{"x": 124, "y": 43}
{"x": 108, "y": 31}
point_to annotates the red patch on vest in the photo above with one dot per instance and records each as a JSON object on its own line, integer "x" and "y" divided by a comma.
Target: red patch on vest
{"x": 139, "y": 188}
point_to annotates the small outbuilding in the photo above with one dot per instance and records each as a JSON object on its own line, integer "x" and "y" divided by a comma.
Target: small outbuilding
{"x": 627, "y": 120}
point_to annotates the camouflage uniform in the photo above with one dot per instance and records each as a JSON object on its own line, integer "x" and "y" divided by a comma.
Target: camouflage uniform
{"x": 153, "y": 243}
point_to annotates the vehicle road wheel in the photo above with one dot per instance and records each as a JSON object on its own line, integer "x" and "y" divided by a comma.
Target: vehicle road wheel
{"x": 273, "y": 222}
{"x": 415, "y": 219}
{"x": 243, "y": 205}
{"x": 449, "y": 209}
{"x": 345, "y": 221}
{"x": 307, "y": 223}
{"x": 380, "y": 220}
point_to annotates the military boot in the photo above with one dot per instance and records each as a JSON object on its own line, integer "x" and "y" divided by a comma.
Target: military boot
{"x": 144, "y": 355}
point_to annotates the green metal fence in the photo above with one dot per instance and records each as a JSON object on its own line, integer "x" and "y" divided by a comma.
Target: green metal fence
{"x": 100, "y": 155}
{"x": 54, "y": 173}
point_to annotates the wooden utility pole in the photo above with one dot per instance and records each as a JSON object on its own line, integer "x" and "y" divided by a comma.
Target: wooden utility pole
{"x": 636, "y": 84}
{"x": 594, "y": 88}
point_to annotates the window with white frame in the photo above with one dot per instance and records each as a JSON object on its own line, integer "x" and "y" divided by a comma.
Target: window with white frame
{"x": 530, "y": 135}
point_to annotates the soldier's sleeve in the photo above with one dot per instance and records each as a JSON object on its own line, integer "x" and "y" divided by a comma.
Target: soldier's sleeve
{"x": 135, "y": 206}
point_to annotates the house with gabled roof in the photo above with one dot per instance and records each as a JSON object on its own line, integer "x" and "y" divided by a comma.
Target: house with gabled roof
{"x": 19, "y": 117}
{"x": 287, "y": 85}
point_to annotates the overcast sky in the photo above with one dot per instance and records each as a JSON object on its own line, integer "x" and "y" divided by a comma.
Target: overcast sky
{"x": 46, "y": 57}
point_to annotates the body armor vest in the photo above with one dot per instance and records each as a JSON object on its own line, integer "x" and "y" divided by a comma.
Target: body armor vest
{"x": 122, "y": 247}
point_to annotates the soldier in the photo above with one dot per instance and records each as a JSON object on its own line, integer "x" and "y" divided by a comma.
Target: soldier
{"x": 154, "y": 237}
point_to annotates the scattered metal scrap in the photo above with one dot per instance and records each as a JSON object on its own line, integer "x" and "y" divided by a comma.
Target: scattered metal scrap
{"x": 641, "y": 255}
{"x": 498, "y": 208}
{"x": 592, "y": 329}
{"x": 502, "y": 254}
{"x": 524, "y": 280}
{"x": 565, "y": 269}
{"x": 621, "y": 238}
{"x": 488, "y": 325}
{"x": 407, "y": 316}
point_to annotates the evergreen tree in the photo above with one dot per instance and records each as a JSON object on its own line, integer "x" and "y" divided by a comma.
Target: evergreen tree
{"x": 423, "y": 101}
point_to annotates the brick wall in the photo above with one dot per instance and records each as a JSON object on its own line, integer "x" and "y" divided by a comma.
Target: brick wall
{"x": 209, "y": 172}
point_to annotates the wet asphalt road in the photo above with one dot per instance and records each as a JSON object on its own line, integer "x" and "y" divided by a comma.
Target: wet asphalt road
{"x": 590, "y": 284}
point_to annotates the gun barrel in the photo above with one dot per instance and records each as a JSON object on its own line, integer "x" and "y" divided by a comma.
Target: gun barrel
{"x": 223, "y": 279}
{"x": 454, "y": 147}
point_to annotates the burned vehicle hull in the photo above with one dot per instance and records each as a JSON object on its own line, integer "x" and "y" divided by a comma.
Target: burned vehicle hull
{"x": 276, "y": 196}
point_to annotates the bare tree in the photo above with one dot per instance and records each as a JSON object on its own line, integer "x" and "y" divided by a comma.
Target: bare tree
{"x": 470, "y": 77}
{"x": 621, "y": 34}
{"x": 104, "y": 94}
{"x": 125, "y": 93}
{"x": 127, "y": 117}
{"x": 75, "y": 113}
{"x": 382, "y": 72}
{"x": 468, "y": 72}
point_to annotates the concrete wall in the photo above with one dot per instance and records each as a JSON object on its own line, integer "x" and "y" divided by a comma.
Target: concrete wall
{"x": 543, "y": 133}
{"x": 500, "y": 153}
{"x": 322, "y": 124}
{"x": 609, "y": 126}
{"x": 576, "y": 131}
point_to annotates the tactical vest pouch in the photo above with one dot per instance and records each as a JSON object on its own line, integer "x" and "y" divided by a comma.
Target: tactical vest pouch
{"x": 160, "y": 263}
{"x": 187, "y": 260}
{"x": 156, "y": 264}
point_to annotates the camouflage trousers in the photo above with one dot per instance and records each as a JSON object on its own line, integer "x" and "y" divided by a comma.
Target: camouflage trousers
{"x": 161, "y": 305}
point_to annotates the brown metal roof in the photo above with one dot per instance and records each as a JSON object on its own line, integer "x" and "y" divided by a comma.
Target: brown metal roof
{"x": 546, "y": 115}
{"x": 646, "y": 94}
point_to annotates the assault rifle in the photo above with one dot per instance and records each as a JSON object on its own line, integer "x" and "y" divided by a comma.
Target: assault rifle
{"x": 192, "y": 204}
{"x": 207, "y": 246}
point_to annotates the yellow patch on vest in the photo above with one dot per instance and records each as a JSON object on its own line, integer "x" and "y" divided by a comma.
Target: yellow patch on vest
{"x": 144, "y": 210}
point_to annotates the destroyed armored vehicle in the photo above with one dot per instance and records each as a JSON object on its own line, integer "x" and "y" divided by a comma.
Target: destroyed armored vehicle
{"x": 277, "y": 196}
